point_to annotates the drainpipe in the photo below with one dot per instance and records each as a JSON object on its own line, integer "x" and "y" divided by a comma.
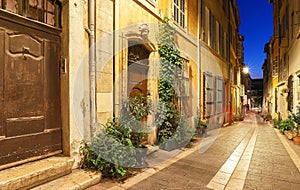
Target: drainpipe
{"x": 199, "y": 52}
{"x": 92, "y": 65}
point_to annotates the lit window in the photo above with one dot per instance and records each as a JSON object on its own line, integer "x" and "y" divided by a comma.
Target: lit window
{"x": 179, "y": 12}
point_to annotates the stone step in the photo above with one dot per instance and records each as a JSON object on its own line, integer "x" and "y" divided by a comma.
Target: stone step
{"x": 35, "y": 173}
{"x": 77, "y": 180}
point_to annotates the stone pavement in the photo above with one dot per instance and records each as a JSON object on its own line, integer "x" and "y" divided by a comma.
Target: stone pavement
{"x": 271, "y": 166}
{"x": 247, "y": 155}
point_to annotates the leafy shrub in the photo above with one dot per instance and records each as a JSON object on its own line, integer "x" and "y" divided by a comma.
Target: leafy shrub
{"x": 113, "y": 151}
{"x": 139, "y": 106}
{"x": 296, "y": 119}
{"x": 200, "y": 125}
{"x": 180, "y": 137}
{"x": 167, "y": 120}
{"x": 287, "y": 124}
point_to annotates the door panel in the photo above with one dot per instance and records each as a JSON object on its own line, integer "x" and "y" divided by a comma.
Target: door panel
{"x": 23, "y": 87}
{"x": 30, "y": 123}
{"x": 17, "y": 149}
{"x": 52, "y": 85}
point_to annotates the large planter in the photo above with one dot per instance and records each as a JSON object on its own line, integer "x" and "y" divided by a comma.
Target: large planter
{"x": 296, "y": 140}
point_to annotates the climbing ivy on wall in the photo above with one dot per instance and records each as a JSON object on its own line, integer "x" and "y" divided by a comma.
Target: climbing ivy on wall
{"x": 167, "y": 115}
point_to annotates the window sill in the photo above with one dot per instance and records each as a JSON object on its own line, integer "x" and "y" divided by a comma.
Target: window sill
{"x": 150, "y": 6}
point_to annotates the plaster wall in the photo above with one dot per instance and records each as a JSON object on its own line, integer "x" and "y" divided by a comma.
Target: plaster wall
{"x": 78, "y": 76}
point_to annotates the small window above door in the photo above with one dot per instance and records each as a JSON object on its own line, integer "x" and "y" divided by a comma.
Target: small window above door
{"x": 45, "y": 11}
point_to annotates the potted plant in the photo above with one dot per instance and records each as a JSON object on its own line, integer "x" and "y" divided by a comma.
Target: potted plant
{"x": 238, "y": 117}
{"x": 286, "y": 125}
{"x": 267, "y": 117}
{"x": 200, "y": 126}
{"x": 296, "y": 119}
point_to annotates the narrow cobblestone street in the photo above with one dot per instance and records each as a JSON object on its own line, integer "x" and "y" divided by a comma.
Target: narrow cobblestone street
{"x": 246, "y": 155}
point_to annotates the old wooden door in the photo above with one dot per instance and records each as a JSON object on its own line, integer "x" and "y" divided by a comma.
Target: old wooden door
{"x": 138, "y": 62}
{"x": 30, "y": 123}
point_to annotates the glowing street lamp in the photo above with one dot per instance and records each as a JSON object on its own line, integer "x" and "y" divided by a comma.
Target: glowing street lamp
{"x": 245, "y": 70}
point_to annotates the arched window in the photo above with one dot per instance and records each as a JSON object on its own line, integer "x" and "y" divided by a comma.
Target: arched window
{"x": 46, "y": 11}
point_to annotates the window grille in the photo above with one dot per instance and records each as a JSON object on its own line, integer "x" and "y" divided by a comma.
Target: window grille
{"x": 46, "y": 11}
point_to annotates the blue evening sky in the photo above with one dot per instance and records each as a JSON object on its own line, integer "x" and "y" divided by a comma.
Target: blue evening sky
{"x": 257, "y": 28}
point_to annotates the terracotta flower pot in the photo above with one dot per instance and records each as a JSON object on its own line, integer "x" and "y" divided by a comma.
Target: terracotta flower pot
{"x": 296, "y": 140}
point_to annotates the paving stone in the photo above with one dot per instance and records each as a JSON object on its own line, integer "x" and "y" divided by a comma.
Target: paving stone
{"x": 268, "y": 167}
{"x": 271, "y": 164}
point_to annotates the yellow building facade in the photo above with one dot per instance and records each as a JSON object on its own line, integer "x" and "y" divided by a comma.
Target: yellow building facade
{"x": 107, "y": 50}
{"x": 284, "y": 89}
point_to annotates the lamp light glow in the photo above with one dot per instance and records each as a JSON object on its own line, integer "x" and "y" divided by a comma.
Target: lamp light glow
{"x": 246, "y": 70}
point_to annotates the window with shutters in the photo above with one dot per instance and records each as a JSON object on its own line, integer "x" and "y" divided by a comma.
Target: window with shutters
{"x": 290, "y": 93}
{"x": 217, "y": 37}
{"x": 205, "y": 23}
{"x": 298, "y": 91}
{"x": 184, "y": 86}
{"x": 212, "y": 31}
{"x": 275, "y": 67}
{"x": 220, "y": 95}
{"x": 221, "y": 43}
{"x": 276, "y": 100}
{"x": 208, "y": 94}
{"x": 284, "y": 67}
{"x": 227, "y": 50}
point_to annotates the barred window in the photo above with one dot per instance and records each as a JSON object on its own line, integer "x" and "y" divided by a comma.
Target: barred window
{"x": 46, "y": 11}
{"x": 179, "y": 12}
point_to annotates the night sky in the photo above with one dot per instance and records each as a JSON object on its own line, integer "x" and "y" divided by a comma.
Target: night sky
{"x": 257, "y": 28}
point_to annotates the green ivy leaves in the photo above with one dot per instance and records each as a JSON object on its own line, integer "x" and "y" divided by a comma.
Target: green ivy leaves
{"x": 167, "y": 115}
